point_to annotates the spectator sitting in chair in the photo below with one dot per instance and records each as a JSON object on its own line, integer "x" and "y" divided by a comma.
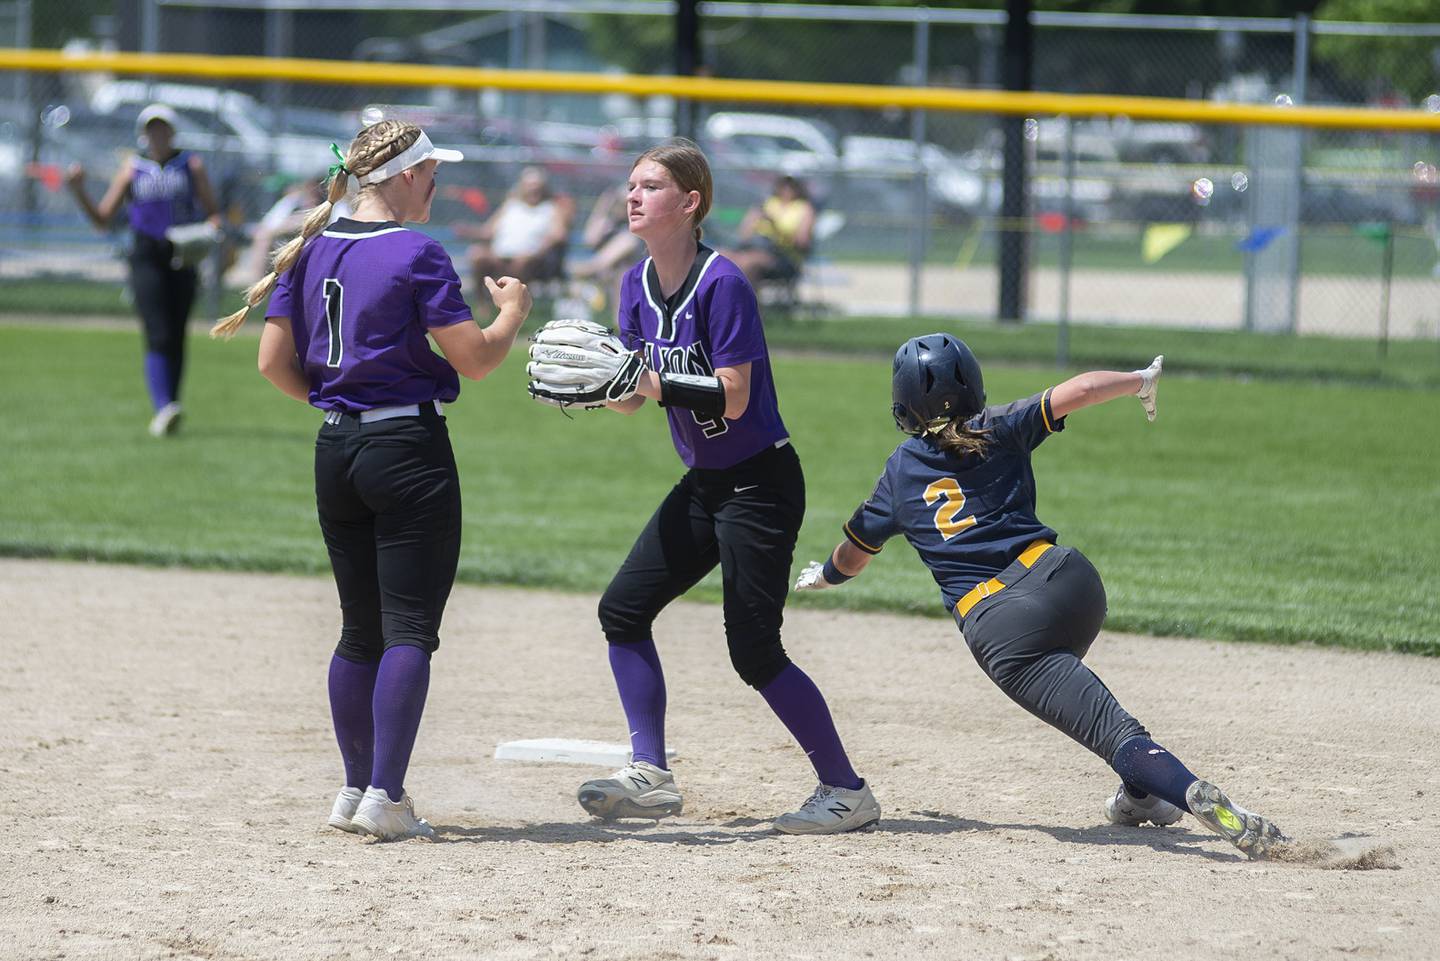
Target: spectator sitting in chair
{"x": 775, "y": 238}
{"x": 613, "y": 247}
{"x": 526, "y": 236}
{"x": 279, "y": 224}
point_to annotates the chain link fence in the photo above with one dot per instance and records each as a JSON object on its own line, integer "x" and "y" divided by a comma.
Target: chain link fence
{"x": 1154, "y": 224}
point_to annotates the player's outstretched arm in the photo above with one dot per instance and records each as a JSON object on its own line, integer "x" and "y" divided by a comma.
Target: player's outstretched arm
{"x": 845, "y": 562}
{"x": 475, "y": 351}
{"x": 1097, "y": 386}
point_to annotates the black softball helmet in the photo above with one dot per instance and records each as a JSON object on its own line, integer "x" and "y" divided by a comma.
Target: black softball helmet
{"x": 936, "y": 379}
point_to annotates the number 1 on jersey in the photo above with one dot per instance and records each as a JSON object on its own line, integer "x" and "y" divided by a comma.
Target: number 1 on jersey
{"x": 334, "y": 306}
{"x": 953, "y": 503}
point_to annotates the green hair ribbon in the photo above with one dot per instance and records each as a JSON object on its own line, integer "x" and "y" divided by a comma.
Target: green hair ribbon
{"x": 338, "y": 167}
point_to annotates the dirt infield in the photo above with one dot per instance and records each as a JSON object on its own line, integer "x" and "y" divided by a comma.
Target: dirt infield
{"x": 168, "y": 766}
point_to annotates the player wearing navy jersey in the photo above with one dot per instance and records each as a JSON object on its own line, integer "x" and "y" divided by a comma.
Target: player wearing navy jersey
{"x": 961, "y": 490}
{"x": 165, "y": 187}
{"x": 347, "y": 330}
{"x": 693, "y": 317}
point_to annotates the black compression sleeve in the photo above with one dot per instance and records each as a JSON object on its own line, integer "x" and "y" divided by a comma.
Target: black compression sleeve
{"x": 704, "y": 395}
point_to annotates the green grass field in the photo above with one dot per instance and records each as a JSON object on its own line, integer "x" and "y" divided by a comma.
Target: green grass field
{"x": 1281, "y": 511}
{"x": 1403, "y": 362}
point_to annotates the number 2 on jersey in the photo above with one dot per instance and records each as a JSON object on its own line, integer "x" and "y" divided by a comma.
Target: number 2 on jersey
{"x": 952, "y": 498}
{"x": 334, "y": 305}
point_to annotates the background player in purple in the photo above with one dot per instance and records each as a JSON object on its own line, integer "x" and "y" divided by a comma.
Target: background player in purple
{"x": 962, "y": 492}
{"x": 694, "y": 318}
{"x": 165, "y": 187}
{"x": 346, "y": 331}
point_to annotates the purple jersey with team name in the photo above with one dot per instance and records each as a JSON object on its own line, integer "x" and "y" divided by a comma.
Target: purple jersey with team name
{"x": 712, "y": 321}
{"x": 161, "y": 195}
{"x": 360, "y": 300}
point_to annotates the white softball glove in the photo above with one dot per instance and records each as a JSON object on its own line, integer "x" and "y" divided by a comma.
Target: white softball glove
{"x": 579, "y": 363}
{"x": 812, "y": 578}
{"x": 1149, "y": 386}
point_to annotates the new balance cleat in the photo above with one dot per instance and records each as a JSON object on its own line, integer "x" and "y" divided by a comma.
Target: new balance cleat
{"x": 832, "y": 810}
{"x": 1251, "y": 833}
{"x": 388, "y": 820}
{"x": 342, "y": 814}
{"x": 640, "y": 790}
{"x": 1121, "y": 808}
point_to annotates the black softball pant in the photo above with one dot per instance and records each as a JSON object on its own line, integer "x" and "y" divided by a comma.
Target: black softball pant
{"x": 163, "y": 298}
{"x": 744, "y": 518}
{"x": 389, "y": 501}
{"x": 1029, "y": 639}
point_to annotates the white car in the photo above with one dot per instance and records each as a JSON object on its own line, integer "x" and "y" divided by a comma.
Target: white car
{"x": 759, "y": 141}
{"x": 214, "y": 121}
{"x": 948, "y": 179}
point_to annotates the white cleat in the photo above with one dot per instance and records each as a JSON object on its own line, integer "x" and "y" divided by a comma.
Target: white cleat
{"x": 1121, "y": 808}
{"x": 640, "y": 790}
{"x": 166, "y": 420}
{"x": 1252, "y": 834}
{"x": 832, "y": 810}
{"x": 388, "y": 820}
{"x": 342, "y": 814}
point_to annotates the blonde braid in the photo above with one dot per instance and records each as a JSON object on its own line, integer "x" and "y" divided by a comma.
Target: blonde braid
{"x": 373, "y": 146}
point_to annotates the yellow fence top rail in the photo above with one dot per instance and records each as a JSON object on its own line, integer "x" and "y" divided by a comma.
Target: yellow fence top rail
{"x": 714, "y": 88}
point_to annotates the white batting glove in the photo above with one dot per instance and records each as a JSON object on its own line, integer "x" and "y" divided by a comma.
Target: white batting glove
{"x": 812, "y": 578}
{"x": 1149, "y": 386}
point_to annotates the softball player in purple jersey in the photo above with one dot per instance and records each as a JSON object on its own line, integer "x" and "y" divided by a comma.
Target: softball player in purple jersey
{"x": 346, "y": 331}
{"x": 961, "y": 490}
{"x": 165, "y": 187}
{"x": 694, "y": 317}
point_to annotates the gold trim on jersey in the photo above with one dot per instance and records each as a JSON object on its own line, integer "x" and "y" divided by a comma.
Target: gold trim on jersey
{"x": 858, "y": 542}
{"x": 1045, "y": 414}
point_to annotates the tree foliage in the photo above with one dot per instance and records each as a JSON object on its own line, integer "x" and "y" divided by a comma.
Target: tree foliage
{"x": 1381, "y": 65}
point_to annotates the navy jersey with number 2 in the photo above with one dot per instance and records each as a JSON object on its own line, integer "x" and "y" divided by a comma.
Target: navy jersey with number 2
{"x": 967, "y": 516}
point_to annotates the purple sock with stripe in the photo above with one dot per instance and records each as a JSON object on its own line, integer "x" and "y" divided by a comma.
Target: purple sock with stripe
{"x": 1147, "y": 768}
{"x": 157, "y": 379}
{"x": 800, "y": 706}
{"x": 352, "y": 689}
{"x": 400, "y": 688}
{"x": 641, "y": 683}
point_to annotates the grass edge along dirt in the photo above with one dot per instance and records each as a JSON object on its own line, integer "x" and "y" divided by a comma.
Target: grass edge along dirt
{"x": 1248, "y": 511}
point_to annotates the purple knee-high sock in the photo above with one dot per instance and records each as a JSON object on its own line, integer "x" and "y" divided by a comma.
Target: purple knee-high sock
{"x": 1147, "y": 768}
{"x": 641, "y": 683}
{"x": 157, "y": 379}
{"x": 352, "y": 688}
{"x": 400, "y": 688}
{"x": 800, "y": 706}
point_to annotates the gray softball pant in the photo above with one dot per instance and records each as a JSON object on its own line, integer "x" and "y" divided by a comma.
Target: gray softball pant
{"x": 1029, "y": 638}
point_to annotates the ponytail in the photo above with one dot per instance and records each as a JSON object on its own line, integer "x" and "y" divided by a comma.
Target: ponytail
{"x": 371, "y": 148}
{"x": 956, "y": 438}
{"x": 284, "y": 258}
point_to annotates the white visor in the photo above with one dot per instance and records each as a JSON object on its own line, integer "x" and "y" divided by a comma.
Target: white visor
{"x": 418, "y": 152}
{"x": 156, "y": 111}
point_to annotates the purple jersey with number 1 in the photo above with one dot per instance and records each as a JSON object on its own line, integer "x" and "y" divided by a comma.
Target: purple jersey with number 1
{"x": 712, "y": 321}
{"x": 360, "y": 300}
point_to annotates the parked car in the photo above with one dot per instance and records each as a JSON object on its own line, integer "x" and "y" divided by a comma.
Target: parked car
{"x": 231, "y": 126}
{"x": 952, "y": 187}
